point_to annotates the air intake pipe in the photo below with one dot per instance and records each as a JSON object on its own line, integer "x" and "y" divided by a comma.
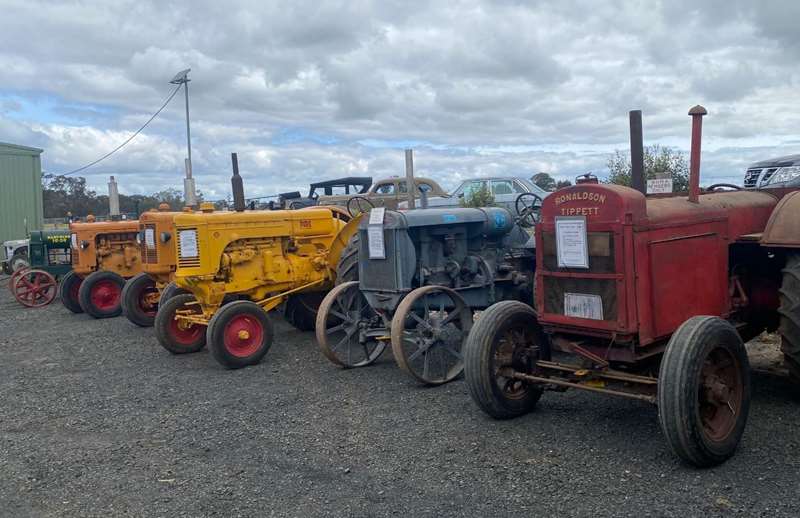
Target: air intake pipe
{"x": 697, "y": 114}
{"x": 637, "y": 152}
{"x": 237, "y": 186}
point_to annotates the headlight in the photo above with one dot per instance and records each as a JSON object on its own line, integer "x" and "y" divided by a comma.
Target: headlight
{"x": 139, "y": 238}
{"x": 784, "y": 174}
{"x": 165, "y": 236}
{"x": 84, "y": 244}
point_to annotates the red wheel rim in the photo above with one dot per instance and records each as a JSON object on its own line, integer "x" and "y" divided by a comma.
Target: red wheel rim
{"x": 184, "y": 333}
{"x": 35, "y": 289}
{"x": 243, "y": 336}
{"x": 148, "y": 301}
{"x": 105, "y": 295}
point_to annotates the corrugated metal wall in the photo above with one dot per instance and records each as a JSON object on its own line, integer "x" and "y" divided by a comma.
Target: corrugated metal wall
{"x": 20, "y": 191}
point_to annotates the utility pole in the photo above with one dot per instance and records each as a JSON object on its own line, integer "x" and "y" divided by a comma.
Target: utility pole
{"x": 181, "y": 78}
{"x": 410, "y": 187}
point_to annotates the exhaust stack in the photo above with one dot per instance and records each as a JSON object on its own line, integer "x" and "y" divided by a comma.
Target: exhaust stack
{"x": 637, "y": 152}
{"x": 113, "y": 198}
{"x": 236, "y": 185}
{"x": 697, "y": 114}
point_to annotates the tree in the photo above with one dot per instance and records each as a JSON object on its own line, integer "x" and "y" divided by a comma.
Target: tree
{"x": 563, "y": 183}
{"x": 545, "y": 181}
{"x": 478, "y": 198}
{"x": 657, "y": 159}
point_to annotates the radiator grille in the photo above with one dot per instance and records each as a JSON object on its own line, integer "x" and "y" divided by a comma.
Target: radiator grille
{"x": 751, "y": 177}
{"x": 192, "y": 258}
{"x": 150, "y": 254}
{"x": 378, "y": 274}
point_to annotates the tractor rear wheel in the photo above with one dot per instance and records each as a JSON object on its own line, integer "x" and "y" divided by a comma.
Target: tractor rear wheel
{"x": 19, "y": 261}
{"x": 169, "y": 291}
{"x": 239, "y": 334}
{"x": 507, "y": 337}
{"x": 100, "y": 294}
{"x": 347, "y": 269}
{"x": 179, "y": 336}
{"x": 704, "y": 391}
{"x": 68, "y": 291}
{"x": 301, "y": 309}
{"x": 140, "y": 300}
{"x": 789, "y": 311}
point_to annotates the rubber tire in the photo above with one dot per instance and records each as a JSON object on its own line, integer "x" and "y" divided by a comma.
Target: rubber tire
{"x": 64, "y": 290}
{"x": 347, "y": 267}
{"x": 216, "y": 330}
{"x": 789, "y": 327}
{"x": 170, "y": 290}
{"x": 301, "y": 310}
{"x": 130, "y": 299}
{"x": 680, "y": 368}
{"x": 166, "y": 312}
{"x": 477, "y": 353}
{"x": 19, "y": 261}
{"x": 84, "y": 294}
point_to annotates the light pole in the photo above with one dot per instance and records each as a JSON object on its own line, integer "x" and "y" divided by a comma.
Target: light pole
{"x": 188, "y": 182}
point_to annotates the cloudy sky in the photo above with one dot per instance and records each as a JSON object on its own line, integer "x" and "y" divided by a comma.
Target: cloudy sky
{"x": 311, "y": 90}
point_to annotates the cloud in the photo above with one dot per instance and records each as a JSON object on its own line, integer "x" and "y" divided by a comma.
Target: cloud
{"x": 305, "y": 90}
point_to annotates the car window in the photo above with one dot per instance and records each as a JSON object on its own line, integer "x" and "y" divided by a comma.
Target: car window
{"x": 401, "y": 186}
{"x": 471, "y": 187}
{"x": 501, "y": 187}
{"x": 385, "y": 188}
{"x": 519, "y": 188}
{"x": 424, "y": 187}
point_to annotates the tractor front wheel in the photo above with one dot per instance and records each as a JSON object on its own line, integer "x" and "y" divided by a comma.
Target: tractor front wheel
{"x": 347, "y": 268}
{"x": 704, "y": 391}
{"x": 35, "y": 288}
{"x": 100, "y": 294}
{"x": 789, "y": 310}
{"x": 506, "y": 338}
{"x": 175, "y": 335}
{"x": 68, "y": 291}
{"x": 140, "y": 300}
{"x": 169, "y": 291}
{"x": 239, "y": 334}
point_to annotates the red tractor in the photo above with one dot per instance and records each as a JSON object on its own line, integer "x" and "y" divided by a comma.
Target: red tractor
{"x": 652, "y": 299}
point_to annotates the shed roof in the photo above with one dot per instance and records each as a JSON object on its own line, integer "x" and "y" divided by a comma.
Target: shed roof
{"x": 17, "y": 147}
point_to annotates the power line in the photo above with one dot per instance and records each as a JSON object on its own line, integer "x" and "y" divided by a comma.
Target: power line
{"x": 129, "y": 138}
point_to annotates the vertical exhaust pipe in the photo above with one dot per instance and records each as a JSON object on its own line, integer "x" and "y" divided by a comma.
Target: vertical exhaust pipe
{"x": 637, "y": 152}
{"x": 697, "y": 114}
{"x": 236, "y": 185}
{"x": 113, "y": 198}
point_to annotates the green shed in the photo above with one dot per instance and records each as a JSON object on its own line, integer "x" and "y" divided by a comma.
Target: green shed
{"x": 20, "y": 191}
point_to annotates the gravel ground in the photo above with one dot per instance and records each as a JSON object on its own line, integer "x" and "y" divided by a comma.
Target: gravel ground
{"x": 97, "y": 419}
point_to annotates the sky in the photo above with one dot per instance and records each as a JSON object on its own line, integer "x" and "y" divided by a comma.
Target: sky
{"x": 312, "y": 90}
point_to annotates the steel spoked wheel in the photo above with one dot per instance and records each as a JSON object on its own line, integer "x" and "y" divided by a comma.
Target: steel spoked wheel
{"x": 35, "y": 288}
{"x": 506, "y": 338}
{"x": 704, "y": 391}
{"x": 69, "y": 292}
{"x": 342, "y": 323}
{"x": 140, "y": 299}
{"x": 239, "y": 334}
{"x": 100, "y": 294}
{"x": 176, "y": 335}
{"x": 429, "y": 329}
{"x": 12, "y": 281}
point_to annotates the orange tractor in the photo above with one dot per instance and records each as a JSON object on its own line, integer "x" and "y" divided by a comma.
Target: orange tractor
{"x": 144, "y": 291}
{"x": 104, "y": 255}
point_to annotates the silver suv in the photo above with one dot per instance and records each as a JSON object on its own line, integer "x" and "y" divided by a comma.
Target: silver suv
{"x": 777, "y": 172}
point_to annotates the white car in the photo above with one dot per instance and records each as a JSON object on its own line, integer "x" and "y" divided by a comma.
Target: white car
{"x": 505, "y": 191}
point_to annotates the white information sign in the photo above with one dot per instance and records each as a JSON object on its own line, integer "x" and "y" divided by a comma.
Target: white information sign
{"x": 659, "y": 186}
{"x": 73, "y": 239}
{"x": 188, "y": 242}
{"x": 572, "y": 247}
{"x": 376, "y": 215}
{"x": 583, "y": 306}
{"x": 377, "y": 250}
{"x": 150, "y": 237}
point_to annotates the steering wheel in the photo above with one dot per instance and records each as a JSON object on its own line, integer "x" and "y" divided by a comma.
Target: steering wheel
{"x": 718, "y": 186}
{"x": 359, "y": 204}
{"x": 528, "y": 206}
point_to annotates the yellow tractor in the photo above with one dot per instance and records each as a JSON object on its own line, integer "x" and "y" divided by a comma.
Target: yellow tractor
{"x": 239, "y": 265}
{"x": 143, "y": 292}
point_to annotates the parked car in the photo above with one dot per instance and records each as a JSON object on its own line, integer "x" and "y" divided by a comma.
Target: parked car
{"x": 505, "y": 191}
{"x": 388, "y": 193}
{"x": 348, "y": 186}
{"x": 16, "y": 255}
{"x": 776, "y": 172}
